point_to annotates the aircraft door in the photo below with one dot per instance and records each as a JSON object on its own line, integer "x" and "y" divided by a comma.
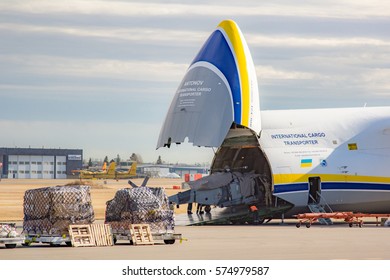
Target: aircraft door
{"x": 314, "y": 190}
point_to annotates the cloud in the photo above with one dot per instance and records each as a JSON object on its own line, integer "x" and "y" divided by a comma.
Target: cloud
{"x": 377, "y": 81}
{"x": 285, "y": 41}
{"x": 131, "y": 34}
{"x": 271, "y": 73}
{"x": 328, "y": 9}
{"x": 97, "y": 139}
{"x": 105, "y": 71}
{"x": 97, "y": 68}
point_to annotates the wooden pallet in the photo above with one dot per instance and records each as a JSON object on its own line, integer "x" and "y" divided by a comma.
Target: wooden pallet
{"x": 102, "y": 234}
{"x": 141, "y": 234}
{"x": 91, "y": 235}
{"x": 81, "y": 236}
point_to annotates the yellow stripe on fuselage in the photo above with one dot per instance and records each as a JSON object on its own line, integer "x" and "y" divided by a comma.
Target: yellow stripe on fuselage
{"x": 234, "y": 35}
{"x": 280, "y": 179}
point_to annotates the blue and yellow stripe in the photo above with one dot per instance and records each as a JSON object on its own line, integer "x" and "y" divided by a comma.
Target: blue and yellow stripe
{"x": 299, "y": 182}
{"x": 236, "y": 40}
{"x": 225, "y": 50}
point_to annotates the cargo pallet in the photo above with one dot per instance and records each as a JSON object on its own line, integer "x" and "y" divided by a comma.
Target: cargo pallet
{"x": 167, "y": 237}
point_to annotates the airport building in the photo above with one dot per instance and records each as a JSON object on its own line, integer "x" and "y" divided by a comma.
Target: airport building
{"x": 28, "y": 163}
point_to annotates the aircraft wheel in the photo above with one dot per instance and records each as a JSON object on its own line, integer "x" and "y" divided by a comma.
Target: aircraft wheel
{"x": 207, "y": 208}
{"x": 350, "y": 225}
{"x": 298, "y": 225}
{"x": 308, "y": 225}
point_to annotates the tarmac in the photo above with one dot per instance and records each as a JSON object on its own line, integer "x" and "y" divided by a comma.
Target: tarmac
{"x": 272, "y": 241}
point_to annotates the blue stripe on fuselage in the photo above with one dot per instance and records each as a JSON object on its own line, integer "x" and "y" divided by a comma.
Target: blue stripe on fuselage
{"x": 332, "y": 186}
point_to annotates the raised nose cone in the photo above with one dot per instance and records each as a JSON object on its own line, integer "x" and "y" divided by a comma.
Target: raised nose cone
{"x": 218, "y": 89}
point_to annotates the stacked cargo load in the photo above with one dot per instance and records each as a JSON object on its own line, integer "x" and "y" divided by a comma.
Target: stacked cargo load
{"x": 141, "y": 205}
{"x": 50, "y": 210}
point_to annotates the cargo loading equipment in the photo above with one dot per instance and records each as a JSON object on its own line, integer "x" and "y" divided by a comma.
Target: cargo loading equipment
{"x": 52, "y": 240}
{"x": 10, "y": 240}
{"x": 229, "y": 196}
{"x": 141, "y": 205}
{"x": 49, "y": 211}
{"x": 348, "y": 217}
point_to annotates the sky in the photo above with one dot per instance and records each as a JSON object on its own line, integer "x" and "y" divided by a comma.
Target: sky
{"x": 100, "y": 75}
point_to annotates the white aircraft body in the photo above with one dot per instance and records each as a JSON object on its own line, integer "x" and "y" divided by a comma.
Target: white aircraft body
{"x": 339, "y": 158}
{"x": 347, "y": 149}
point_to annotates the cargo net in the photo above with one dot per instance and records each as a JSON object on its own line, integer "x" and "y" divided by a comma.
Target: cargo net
{"x": 51, "y": 210}
{"x": 141, "y": 205}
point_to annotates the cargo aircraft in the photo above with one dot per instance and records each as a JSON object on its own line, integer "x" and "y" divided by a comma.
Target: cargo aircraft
{"x": 281, "y": 162}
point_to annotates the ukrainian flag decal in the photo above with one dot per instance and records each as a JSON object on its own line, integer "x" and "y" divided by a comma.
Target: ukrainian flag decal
{"x": 306, "y": 163}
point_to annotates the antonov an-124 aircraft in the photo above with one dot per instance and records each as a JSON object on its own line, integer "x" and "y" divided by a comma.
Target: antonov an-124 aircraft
{"x": 280, "y": 162}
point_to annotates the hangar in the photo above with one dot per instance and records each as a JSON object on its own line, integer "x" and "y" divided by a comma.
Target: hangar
{"x": 32, "y": 163}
